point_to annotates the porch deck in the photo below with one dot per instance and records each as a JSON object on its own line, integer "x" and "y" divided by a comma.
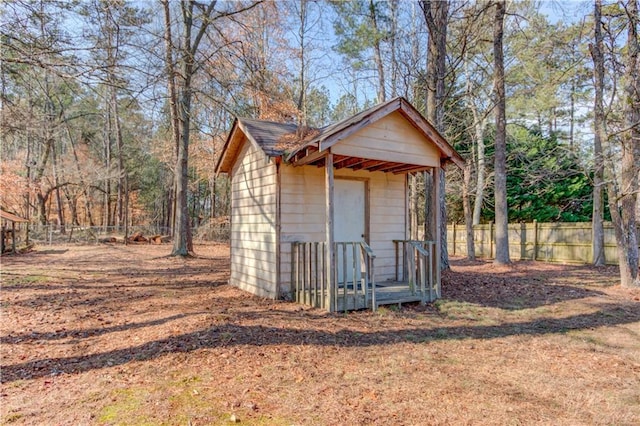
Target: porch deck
{"x": 390, "y": 293}
{"x": 354, "y": 286}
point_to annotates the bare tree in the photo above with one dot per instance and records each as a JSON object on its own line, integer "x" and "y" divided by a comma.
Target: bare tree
{"x": 600, "y": 135}
{"x": 500, "y": 161}
{"x": 436, "y": 14}
{"x": 623, "y": 195}
{"x": 466, "y": 206}
{"x": 181, "y": 67}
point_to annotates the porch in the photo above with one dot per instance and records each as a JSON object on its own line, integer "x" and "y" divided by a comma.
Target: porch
{"x": 349, "y": 281}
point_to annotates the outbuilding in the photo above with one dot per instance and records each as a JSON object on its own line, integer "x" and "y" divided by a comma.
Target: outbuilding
{"x": 321, "y": 216}
{"x": 8, "y": 230}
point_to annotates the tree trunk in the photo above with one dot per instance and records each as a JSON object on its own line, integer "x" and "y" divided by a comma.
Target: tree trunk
{"x": 182, "y": 240}
{"x": 56, "y": 182}
{"x": 119, "y": 147}
{"x": 481, "y": 168}
{"x": 623, "y": 204}
{"x": 500, "y": 165}
{"x": 436, "y": 17}
{"x": 173, "y": 103}
{"x": 479, "y": 124}
{"x": 600, "y": 135}
{"x": 85, "y": 193}
{"x": 182, "y": 244}
{"x": 429, "y": 214}
{"x": 466, "y": 206}
{"x": 302, "y": 97}
{"x": 393, "y": 4}
{"x": 444, "y": 250}
{"x": 377, "y": 54}
{"x": 72, "y": 202}
{"x": 107, "y": 162}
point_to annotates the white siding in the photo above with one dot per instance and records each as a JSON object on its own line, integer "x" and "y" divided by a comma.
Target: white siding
{"x": 253, "y": 222}
{"x": 303, "y": 214}
{"x": 391, "y": 138}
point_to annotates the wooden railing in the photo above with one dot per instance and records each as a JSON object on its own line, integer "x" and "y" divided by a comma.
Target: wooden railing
{"x": 416, "y": 265}
{"x": 354, "y": 272}
{"x": 355, "y": 275}
{"x": 309, "y": 273}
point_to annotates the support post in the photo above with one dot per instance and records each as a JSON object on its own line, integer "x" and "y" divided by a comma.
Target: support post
{"x": 330, "y": 252}
{"x": 13, "y": 237}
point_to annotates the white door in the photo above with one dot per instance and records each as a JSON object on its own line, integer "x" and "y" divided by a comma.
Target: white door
{"x": 349, "y": 222}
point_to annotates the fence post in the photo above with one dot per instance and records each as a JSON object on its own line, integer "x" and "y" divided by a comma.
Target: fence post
{"x": 454, "y": 238}
{"x": 535, "y": 239}
{"x": 491, "y": 240}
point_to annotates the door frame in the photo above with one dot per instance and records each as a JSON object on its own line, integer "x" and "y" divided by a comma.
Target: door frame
{"x": 367, "y": 211}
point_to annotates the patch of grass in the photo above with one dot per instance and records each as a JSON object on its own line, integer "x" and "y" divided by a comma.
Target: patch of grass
{"x": 460, "y": 310}
{"x": 125, "y": 408}
{"x": 415, "y": 338}
{"x": 25, "y": 280}
{"x": 588, "y": 338}
{"x": 182, "y": 402}
{"x": 261, "y": 420}
{"x": 226, "y": 337}
{"x": 441, "y": 333}
{"x": 12, "y": 418}
{"x": 387, "y": 310}
{"x": 515, "y": 303}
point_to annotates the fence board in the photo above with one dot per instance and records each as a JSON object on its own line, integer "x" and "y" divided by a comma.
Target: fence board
{"x": 549, "y": 242}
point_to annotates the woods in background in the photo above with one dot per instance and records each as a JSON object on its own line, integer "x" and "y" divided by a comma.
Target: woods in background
{"x": 113, "y": 112}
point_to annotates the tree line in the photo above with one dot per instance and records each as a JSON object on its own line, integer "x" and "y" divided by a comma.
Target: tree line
{"x": 114, "y": 111}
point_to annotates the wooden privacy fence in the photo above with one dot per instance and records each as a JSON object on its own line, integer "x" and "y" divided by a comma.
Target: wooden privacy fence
{"x": 548, "y": 242}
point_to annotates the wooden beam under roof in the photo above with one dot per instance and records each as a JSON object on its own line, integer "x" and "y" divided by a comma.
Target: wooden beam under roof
{"x": 368, "y": 164}
{"x": 306, "y": 156}
{"x": 350, "y": 162}
{"x": 386, "y": 166}
{"x": 340, "y": 160}
{"x": 410, "y": 169}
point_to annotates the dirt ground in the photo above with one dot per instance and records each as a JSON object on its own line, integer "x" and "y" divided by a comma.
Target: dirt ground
{"x": 115, "y": 334}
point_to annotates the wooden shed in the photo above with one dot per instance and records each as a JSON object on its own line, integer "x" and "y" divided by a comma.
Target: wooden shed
{"x": 8, "y": 230}
{"x": 320, "y": 216}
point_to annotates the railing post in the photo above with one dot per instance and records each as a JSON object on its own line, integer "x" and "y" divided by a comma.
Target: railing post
{"x": 423, "y": 277}
{"x": 305, "y": 274}
{"x": 364, "y": 280}
{"x": 433, "y": 288}
{"x": 395, "y": 245}
{"x": 411, "y": 261}
{"x": 334, "y": 281}
{"x": 373, "y": 284}
{"x": 436, "y": 282}
{"x": 344, "y": 275}
{"x": 354, "y": 277}
{"x": 316, "y": 300}
{"x": 294, "y": 270}
{"x": 323, "y": 275}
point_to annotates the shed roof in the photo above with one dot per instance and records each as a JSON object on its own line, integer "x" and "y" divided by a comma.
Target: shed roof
{"x": 305, "y": 147}
{"x": 12, "y": 217}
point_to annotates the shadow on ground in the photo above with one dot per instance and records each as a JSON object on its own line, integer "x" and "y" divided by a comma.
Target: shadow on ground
{"x": 515, "y": 288}
{"x": 233, "y": 334}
